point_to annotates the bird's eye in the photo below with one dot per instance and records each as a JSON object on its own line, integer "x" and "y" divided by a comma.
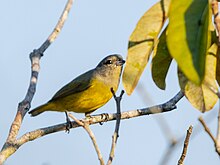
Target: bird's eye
{"x": 108, "y": 62}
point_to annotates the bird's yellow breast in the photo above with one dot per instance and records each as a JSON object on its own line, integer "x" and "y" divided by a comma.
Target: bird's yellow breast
{"x": 88, "y": 100}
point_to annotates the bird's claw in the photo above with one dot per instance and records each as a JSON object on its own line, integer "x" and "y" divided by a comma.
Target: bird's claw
{"x": 68, "y": 123}
{"x": 104, "y": 116}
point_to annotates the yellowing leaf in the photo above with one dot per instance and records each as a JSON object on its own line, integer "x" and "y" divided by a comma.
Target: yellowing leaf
{"x": 161, "y": 62}
{"x": 189, "y": 37}
{"x": 218, "y": 67}
{"x": 141, "y": 43}
{"x": 201, "y": 96}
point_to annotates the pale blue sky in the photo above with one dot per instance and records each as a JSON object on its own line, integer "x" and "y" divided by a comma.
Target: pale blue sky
{"x": 93, "y": 30}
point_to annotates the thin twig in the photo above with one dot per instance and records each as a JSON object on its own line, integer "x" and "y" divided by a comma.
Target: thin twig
{"x": 172, "y": 146}
{"x": 186, "y": 143}
{"x": 117, "y": 125}
{"x": 207, "y": 129}
{"x": 80, "y": 123}
{"x": 58, "y": 26}
{"x": 85, "y": 125}
{"x": 210, "y": 134}
{"x": 11, "y": 144}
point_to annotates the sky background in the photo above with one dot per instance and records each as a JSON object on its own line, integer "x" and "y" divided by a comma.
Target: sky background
{"x": 93, "y": 30}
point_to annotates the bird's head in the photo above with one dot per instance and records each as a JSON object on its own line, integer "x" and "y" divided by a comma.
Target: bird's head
{"x": 110, "y": 65}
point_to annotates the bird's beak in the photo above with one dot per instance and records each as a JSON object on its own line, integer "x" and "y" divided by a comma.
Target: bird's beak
{"x": 120, "y": 63}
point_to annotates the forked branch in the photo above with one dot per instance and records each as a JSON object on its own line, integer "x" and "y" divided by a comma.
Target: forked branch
{"x": 12, "y": 144}
{"x": 117, "y": 125}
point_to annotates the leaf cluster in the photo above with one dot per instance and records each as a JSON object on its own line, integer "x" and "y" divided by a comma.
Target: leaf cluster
{"x": 180, "y": 31}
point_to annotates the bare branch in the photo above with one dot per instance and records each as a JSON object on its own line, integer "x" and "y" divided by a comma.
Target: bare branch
{"x": 58, "y": 27}
{"x": 11, "y": 144}
{"x": 176, "y": 143}
{"x": 92, "y": 136}
{"x": 99, "y": 119}
{"x": 207, "y": 129}
{"x": 117, "y": 125}
{"x": 186, "y": 143}
{"x": 210, "y": 134}
{"x": 30, "y": 136}
{"x": 166, "y": 107}
{"x": 85, "y": 125}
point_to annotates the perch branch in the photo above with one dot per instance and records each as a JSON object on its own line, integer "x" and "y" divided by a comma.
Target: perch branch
{"x": 117, "y": 125}
{"x": 186, "y": 143}
{"x": 11, "y": 144}
{"x": 166, "y": 107}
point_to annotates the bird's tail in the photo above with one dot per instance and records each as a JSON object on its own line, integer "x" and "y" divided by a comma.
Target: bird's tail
{"x": 45, "y": 107}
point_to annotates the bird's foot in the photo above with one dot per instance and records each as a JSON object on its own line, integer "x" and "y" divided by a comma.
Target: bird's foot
{"x": 88, "y": 115}
{"x": 68, "y": 123}
{"x": 104, "y": 116}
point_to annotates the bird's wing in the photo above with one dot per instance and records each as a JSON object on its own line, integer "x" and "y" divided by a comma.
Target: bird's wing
{"x": 77, "y": 85}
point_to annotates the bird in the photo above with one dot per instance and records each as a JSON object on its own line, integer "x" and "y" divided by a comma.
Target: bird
{"x": 87, "y": 92}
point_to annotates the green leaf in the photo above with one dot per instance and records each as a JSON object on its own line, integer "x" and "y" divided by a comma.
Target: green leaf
{"x": 201, "y": 96}
{"x": 161, "y": 62}
{"x": 189, "y": 37}
{"x": 141, "y": 43}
